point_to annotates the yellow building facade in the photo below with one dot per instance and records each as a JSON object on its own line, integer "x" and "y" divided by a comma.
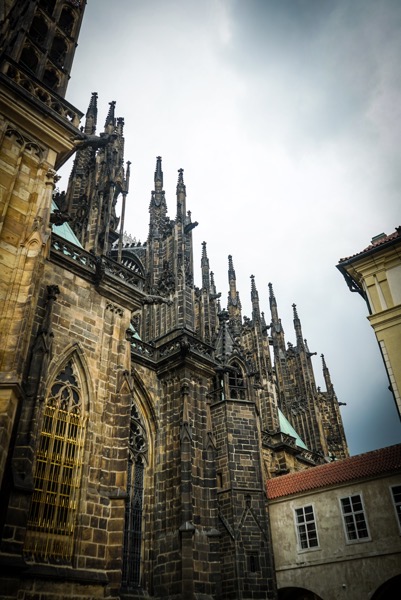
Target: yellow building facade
{"x": 375, "y": 273}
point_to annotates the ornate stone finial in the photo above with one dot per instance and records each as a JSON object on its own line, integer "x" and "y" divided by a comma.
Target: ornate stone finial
{"x": 181, "y": 176}
{"x": 204, "y": 254}
{"x": 294, "y": 308}
{"x": 212, "y": 278}
{"x": 120, "y": 125}
{"x": 271, "y": 291}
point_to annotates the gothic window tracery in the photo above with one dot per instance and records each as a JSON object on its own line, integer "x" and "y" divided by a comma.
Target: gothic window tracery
{"x": 57, "y": 477}
{"x": 236, "y": 382}
{"x": 66, "y": 21}
{"x": 137, "y": 459}
{"x": 38, "y": 30}
{"x": 58, "y": 50}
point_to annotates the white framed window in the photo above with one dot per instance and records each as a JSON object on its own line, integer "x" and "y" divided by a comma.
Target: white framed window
{"x": 355, "y": 524}
{"x": 306, "y": 528}
{"x": 396, "y": 494}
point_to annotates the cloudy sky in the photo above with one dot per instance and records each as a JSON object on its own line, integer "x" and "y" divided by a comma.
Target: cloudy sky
{"x": 286, "y": 118}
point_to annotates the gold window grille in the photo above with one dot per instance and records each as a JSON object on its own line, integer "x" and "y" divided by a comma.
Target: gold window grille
{"x": 51, "y": 522}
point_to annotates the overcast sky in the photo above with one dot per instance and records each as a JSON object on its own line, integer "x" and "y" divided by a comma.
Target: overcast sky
{"x": 286, "y": 118}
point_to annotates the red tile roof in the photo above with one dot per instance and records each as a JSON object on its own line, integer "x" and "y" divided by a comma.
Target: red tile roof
{"x": 384, "y": 239}
{"x": 378, "y": 462}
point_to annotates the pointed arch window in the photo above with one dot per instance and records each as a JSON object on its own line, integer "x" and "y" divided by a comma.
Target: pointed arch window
{"x": 66, "y": 21}
{"x": 29, "y": 58}
{"x": 57, "y": 477}
{"x": 137, "y": 457}
{"x": 236, "y": 382}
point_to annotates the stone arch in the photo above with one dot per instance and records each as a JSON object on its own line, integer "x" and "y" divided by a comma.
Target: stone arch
{"x": 51, "y": 77}
{"x": 39, "y": 29}
{"x": 237, "y": 379}
{"x": 58, "y": 51}
{"x": 295, "y": 593}
{"x": 67, "y": 20}
{"x": 74, "y": 352}
{"x": 389, "y": 589}
{"x": 29, "y": 58}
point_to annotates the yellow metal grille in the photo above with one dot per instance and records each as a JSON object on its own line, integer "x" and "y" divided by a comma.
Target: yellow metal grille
{"x": 50, "y": 533}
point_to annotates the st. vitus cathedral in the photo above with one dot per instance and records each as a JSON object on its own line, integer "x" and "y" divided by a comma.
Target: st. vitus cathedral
{"x": 140, "y": 418}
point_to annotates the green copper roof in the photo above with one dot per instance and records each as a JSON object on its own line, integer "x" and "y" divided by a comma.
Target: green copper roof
{"x": 286, "y": 427}
{"x": 65, "y": 231}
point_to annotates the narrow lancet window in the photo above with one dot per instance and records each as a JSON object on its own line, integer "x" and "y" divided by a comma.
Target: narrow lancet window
{"x": 57, "y": 477}
{"x": 131, "y": 576}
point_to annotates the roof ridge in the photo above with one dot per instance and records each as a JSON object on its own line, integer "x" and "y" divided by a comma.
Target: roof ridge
{"x": 374, "y": 462}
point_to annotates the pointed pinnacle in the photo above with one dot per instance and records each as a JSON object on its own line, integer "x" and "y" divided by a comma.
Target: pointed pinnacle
{"x": 231, "y": 271}
{"x": 110, "y": 115}
{"x": 294, "y": 307}
{"x": 323, "y": 361}
{"x": 204, "y": 253}
{"x": 92, "y": 108}
{"x": 120, "y": 125}
{"x": 271, "y": 291}
{"x": 158, "y": 171}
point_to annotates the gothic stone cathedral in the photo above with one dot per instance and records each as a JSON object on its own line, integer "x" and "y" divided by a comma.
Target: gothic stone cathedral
{"x": 139, "y": 418}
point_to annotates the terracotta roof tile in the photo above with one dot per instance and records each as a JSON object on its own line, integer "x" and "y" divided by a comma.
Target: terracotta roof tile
{"x": 378, "y": 462}
{"x": 375, "y": 244}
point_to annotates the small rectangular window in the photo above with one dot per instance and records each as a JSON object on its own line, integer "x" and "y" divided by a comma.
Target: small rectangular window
{"x": 355, "y": 525}
{"x": 306, "y": 528}
{"x": 396, "y": 492}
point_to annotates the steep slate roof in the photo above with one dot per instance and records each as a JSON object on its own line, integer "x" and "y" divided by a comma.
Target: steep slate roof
{"x": 375, "y": 245}
{"x": 379, "y": 462}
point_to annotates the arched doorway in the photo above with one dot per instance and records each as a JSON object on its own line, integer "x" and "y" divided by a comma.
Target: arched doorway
{"x": 293, "y": 593}
{"x": 390, "y": 590}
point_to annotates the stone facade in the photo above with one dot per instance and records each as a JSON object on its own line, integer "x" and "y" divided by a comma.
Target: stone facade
{"x": 327, "y": 557}
{"x": 375, "y": 273}
{"x": 139, "y": 419}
